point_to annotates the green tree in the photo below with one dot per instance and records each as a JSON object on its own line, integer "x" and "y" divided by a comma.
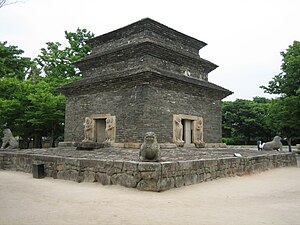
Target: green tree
{"x": 285, "y": 111}
{"x": 244, "y": 121}
{"x": 45, "y": 112}
{"x": 32, "y": 110}
{"x": 13, "y": 104}
{"x": 287, "y": 83}
{"x": 29, "y": 102}
{"x": 56, "y": 62}
{"x": 12, "y": 64}
{"x": 13, "y": 70}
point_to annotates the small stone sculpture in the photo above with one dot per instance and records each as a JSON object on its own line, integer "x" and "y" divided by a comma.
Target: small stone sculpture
{"x": 88, "y": 129}
{"x": 178, "y": 129}
{"x": 273, "y": 145}
{"x": 198, "y": 129}
{"x": 9, "y": 141}
{"x": 150, "y": 149}
{"x": 109, "y": 130}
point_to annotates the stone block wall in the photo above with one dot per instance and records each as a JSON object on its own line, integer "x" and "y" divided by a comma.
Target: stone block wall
{"x": 145, "y": 176}
{"x": 143, "y": 56}
{"x": 145, "y": 105}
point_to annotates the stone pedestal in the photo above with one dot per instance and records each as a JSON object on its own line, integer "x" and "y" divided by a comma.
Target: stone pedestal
{"x": 67, "y": 144}
{"x": 89, "y": 145}
{"x": 199, "y": 144}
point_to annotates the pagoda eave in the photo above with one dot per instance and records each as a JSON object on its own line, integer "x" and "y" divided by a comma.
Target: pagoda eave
{"x": 137, "y": 77}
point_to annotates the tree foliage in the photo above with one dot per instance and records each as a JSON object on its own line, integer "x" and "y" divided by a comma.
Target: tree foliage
{"x": 56, "y": 61}
{"x": 284, "y": 113}
{"x": 244, "y": 121}
{"x": 287, "y": 83}
{"x": 12, "y": 64}
{"x": 29, "y": 103}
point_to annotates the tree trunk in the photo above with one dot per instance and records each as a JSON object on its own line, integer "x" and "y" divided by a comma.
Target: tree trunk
{"x": 247, "y": 140}
{"x": 52, "y": 138}
{"x": 25, "y": 142}
{"x": 289, "y": 141}
{"x": 37, "y": 140}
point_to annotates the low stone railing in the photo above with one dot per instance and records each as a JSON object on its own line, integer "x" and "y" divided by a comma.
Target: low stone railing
{"x": 146, "y": 176}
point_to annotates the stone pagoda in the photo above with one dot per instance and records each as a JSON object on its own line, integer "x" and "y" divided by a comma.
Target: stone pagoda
{"x": 144, "y": 77}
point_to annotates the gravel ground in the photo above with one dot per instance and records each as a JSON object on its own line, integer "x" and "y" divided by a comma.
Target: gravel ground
{"x": 272, "y": 197}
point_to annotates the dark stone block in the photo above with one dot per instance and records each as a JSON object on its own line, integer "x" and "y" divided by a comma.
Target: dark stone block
{"x": 89, "y": 145}
{"x": 38, "y": 170}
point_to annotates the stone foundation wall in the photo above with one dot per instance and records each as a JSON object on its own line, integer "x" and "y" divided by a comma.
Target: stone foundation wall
{"x": 145, "y": 176}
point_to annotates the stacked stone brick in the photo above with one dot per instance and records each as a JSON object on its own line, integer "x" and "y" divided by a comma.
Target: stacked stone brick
{"x": 143, "y": 74}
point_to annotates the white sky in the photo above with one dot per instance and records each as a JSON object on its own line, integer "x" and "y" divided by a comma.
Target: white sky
{"x": 244, "y": 37}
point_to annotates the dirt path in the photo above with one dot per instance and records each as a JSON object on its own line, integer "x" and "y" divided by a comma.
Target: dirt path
{"x": 272, "y": 197}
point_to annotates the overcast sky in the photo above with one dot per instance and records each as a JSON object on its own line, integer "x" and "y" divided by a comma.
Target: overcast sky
{"x": 244, "y": 37}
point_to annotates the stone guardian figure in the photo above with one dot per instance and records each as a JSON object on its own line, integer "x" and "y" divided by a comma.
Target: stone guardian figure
{"x": 273, "y": 145}
{"x": 198, "y": 135}
{"x": 8, "y": 140}
{"x": 109, "y": 130}
{"x": 178, "y": 131}
{"x": 150, "y": 149}
{"x": 88, "y": 129}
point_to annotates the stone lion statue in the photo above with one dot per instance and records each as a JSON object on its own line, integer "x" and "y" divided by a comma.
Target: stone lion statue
{"x": 150, "y": 149}
{"x": 9, "y": 141}
{"x": 273, "y": 145}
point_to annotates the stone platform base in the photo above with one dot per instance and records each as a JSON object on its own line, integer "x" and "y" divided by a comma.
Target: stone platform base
{"x": 89, "y": 145}
{"x": 118, "y": 167}
{"x": 69, "y": 144}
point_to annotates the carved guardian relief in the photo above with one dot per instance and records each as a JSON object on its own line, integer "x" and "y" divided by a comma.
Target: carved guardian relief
{"x": 100, "y": 128}
{"x": 177, "y": 131}
{"x": 89, "y": 128}
{"x": 188, "y": 130}
{"x": 198, "y": 132}
{"x": 110, "y": 129}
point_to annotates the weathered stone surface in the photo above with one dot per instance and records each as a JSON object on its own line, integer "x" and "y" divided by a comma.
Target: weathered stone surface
{"x": 89, "y": 176}
{"x": 103, "y": 178}
{"x": 70, "y": 144}
{"x": 125, "y": 180}
{"x": 190, "y": 179}
{"x": 168, "y": 169}
{"x": 88, "y": 164}
{"x": 8, "y": 140}
{"x": 150, "y": 176}
{"x": 275, "y": 144}
{"x": 150, "y": 149}
{"x": 74, "y": 175}
{"x": 166, "y": 183}
{"x": 148, "y": 166}
{"x": 130, "y": 167}
{"x": 148, "y": 185}
{"x": 89, "y": 145}
{"x": 116, "y": 167}
{"x": 179, "y": 181}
